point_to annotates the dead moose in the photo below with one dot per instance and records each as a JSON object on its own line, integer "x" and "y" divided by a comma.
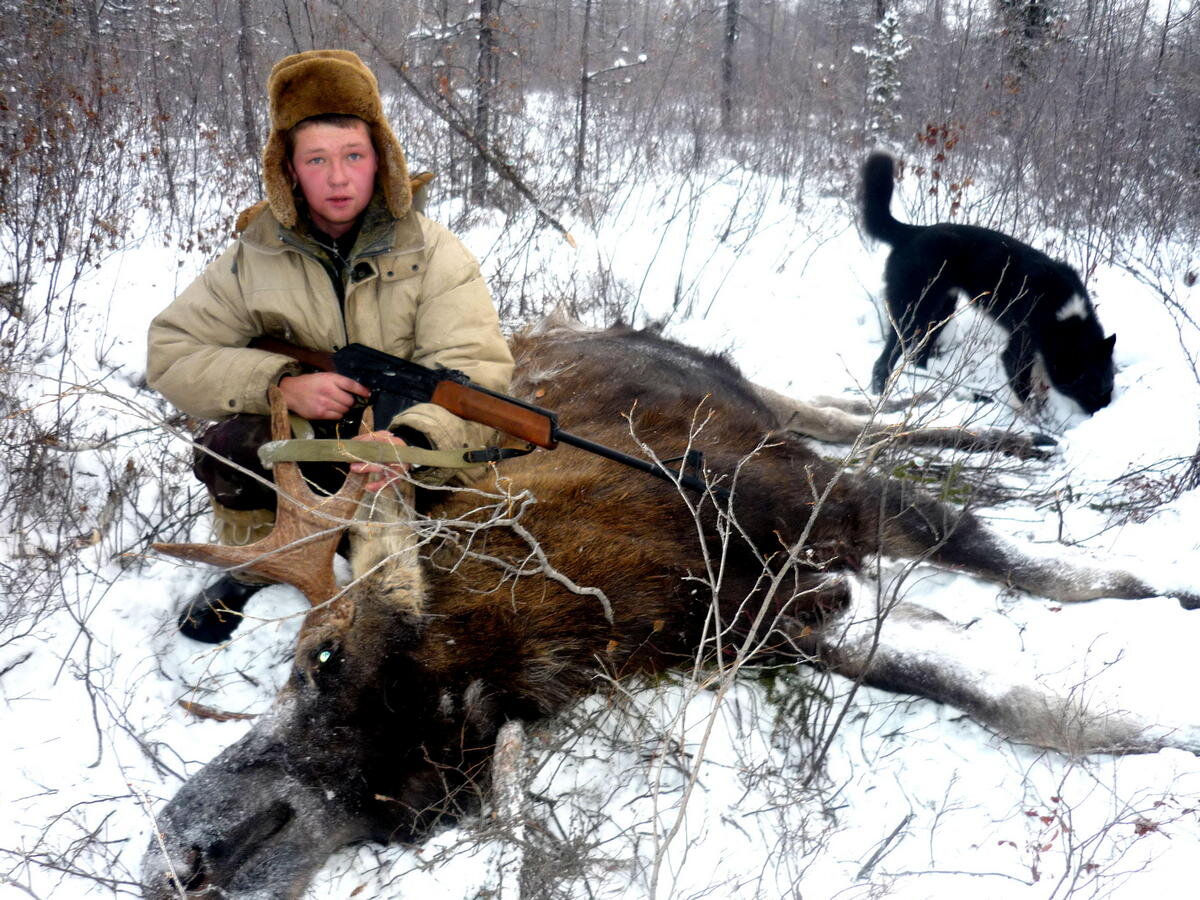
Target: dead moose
{"x": 559, "y": 568}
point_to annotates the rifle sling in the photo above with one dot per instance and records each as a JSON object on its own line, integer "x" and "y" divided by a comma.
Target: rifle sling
{"x": 333, "y": 450}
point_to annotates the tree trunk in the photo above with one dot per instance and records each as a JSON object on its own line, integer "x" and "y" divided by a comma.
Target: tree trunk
{"x": 727, "y": 64}
{"x": 249, "y": 82}
{"x": 287, "y": 18}
{"x": 486, "y": 78}
{"x": 582, "y": 107}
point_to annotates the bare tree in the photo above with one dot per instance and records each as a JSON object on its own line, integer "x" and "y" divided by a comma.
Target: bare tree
{"x": 728, "y": 68}
{"x": 487, "y": 80}
{"x": 249, "y": 85}
{"x": 581, "y": 103}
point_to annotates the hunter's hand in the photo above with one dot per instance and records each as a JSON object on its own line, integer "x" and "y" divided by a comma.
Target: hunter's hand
{"x": 390, "y": 472}
{"x": 321, "y": 395}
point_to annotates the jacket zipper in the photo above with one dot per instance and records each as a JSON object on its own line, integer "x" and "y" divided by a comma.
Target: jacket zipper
{"x": 288, "y": 240}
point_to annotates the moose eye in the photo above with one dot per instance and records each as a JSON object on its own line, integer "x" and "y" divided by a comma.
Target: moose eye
{"x": 325, "y": 657}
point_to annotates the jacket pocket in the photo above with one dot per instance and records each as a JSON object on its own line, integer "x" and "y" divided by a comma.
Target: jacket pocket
{"x": 402, "y": 266}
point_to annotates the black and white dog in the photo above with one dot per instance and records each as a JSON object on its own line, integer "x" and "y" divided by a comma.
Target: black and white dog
{"x": 1041, "y": 302}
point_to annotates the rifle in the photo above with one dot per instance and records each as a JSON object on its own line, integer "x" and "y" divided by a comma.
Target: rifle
{"x": 397, "y": 384}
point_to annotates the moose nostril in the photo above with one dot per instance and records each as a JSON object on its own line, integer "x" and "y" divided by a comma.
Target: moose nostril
{"x": 195, "y": 878}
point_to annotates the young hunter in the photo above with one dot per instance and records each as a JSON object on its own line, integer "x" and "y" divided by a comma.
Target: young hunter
{"x": 335, "y": 255}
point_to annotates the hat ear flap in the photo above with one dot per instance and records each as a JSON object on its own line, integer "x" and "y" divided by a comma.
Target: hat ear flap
{"x": 392, "y": 176}
{"x": 275, "y": 181}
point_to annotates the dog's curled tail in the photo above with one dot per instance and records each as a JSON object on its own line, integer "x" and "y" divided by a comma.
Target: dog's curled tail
{"x": 879, "y": 174}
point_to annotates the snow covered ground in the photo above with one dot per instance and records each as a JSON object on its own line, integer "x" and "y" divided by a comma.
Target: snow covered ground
{"x": 678, "y": 791}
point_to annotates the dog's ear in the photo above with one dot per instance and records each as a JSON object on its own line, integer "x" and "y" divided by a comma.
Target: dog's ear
{"x": 1109, "y": 343}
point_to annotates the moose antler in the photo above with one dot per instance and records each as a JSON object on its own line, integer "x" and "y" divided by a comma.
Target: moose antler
{"x": 300, "y": 548}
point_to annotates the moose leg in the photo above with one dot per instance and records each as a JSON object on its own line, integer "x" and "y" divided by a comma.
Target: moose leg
{"x": 777, "y": 496}
{"x": 833, "y": 420}
{"x": 788, "y": 498}
{"x": 912, "y": 649}
{"x": 913, "y": 525}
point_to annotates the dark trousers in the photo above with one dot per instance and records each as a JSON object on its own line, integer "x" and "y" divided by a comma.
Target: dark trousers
{"x": 238, "y": 438}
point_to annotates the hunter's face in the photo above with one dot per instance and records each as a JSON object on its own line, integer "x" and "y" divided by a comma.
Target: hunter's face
{"x": 335, "y": 167}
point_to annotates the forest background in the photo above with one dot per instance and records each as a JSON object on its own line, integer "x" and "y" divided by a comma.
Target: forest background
{"x": 1080, "y": 117}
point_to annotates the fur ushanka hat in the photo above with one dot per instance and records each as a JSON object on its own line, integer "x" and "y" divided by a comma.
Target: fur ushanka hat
{"x": 319, "y": 82}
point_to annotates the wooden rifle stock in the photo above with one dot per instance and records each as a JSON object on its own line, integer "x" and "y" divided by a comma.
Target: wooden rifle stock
{"x": 475, "y": 404}
{"x": 316, "y": 359}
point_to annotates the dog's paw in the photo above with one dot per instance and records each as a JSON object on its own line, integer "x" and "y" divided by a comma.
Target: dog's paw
{"x": 1030, "y": 446}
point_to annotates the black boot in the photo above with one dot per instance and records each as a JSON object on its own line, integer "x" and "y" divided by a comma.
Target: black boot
{"x": 211, "y": 616}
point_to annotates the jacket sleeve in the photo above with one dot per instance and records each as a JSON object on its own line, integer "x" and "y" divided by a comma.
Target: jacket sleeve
{"x": 197, "y": 356}
{"x": 456, "y": 327}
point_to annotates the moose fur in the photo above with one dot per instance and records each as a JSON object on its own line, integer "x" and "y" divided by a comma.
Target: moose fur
{"x": 511, "y": 599}
{"x": 1039, "y": 301}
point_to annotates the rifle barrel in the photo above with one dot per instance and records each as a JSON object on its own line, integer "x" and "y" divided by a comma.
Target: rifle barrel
{"x": 656, "y": 469}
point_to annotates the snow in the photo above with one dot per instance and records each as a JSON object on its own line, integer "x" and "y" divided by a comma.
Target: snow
{"x": 916, "y": 801}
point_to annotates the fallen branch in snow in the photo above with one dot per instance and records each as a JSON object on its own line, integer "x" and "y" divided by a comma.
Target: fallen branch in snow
{"x": 15, "y": 663}
{"x": 200, "y": 711}
{"x": 865, "y": 872}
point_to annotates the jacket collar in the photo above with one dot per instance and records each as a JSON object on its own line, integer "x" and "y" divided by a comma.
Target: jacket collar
{"x": 380, "y": 234}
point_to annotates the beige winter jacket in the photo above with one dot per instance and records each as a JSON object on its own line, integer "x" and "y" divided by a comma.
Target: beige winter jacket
{"x": 413, "y": 291}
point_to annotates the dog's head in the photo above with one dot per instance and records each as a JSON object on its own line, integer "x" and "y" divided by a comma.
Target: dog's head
{"x": 1085, "y": 372}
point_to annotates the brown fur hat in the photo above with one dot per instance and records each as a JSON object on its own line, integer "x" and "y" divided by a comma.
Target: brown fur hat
{"x": 319, "y": 82}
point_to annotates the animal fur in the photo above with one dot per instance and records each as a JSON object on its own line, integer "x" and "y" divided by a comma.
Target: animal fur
{"x": 560, "y": 570}
{"x": 1040, "y": 302}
